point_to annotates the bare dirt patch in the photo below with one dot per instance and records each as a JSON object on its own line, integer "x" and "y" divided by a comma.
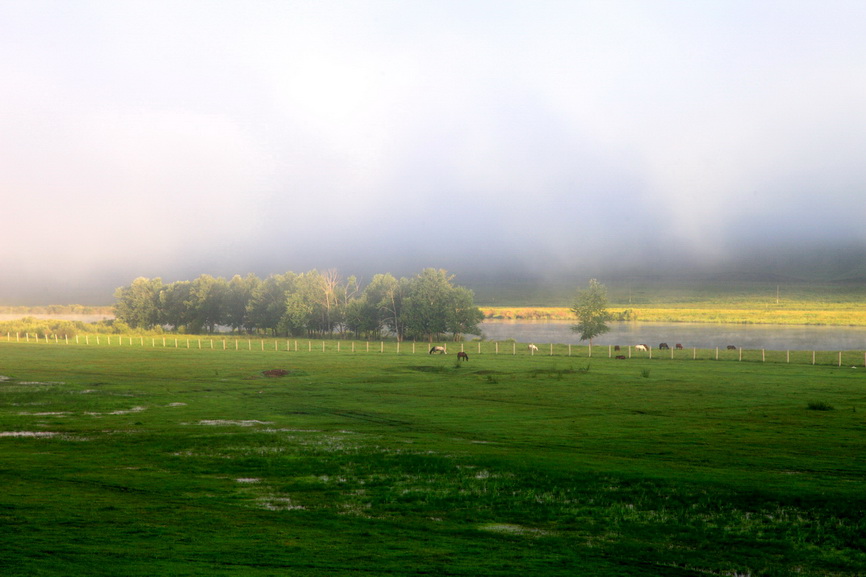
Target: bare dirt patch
{"x": 275, "y": 373}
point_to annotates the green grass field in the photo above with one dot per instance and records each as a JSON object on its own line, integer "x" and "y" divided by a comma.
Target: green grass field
{"x": 125, "y": 460}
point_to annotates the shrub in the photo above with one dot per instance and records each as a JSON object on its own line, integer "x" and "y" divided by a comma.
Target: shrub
{"x": 819, "y": 406}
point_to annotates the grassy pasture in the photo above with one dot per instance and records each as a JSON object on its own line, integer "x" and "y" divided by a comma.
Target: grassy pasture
{"x": 136, "y": 460}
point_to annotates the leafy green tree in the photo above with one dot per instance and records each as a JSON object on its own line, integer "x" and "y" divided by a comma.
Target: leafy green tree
{"x": 425, "y": 309}
{"x": 463, "y": 316}
{"x": 208, "y": 300}
{"x": 362, "y": 318}
{"x": 312, "y": 303}
{"x": 297, "y": 314}
{"x": 387, "y": 294}
{"x": 434, "y": 306}
{"x": 240, "y": 292}
{"x": 590, "y": 309}
{"x": 138, "y": 304}
{"x": 175, "y": 307}
{"x": 267, "y": 303}
{"x": 324, "y": 297}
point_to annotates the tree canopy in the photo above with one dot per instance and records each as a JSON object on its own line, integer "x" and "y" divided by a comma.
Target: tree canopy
{"x": 427, "y": 306}
{"x": 590, "y": 309}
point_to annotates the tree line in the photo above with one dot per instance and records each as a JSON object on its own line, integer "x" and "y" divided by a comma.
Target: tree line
{"x": 427, "y": 306}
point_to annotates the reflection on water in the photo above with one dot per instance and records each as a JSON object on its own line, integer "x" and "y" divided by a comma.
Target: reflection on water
{"x": 699, "y": 335}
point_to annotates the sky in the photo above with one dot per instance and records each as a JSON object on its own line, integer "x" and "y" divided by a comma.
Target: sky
{"x": 172, "y": 139}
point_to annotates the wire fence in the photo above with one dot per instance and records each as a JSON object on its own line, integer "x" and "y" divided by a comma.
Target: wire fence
{"x": 483, "y": 348}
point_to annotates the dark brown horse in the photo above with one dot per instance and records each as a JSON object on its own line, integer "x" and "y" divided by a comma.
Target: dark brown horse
{"x": 462, "y": 356}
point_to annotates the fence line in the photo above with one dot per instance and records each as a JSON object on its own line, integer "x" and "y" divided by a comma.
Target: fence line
{"x": 483, "y": 348}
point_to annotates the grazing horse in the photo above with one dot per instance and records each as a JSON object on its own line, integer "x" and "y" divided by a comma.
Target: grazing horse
{"x": 679, "y": 347}
{"x": 620, "y": 357}
{"x": 663, "y": 346}
{"x": 641, "y": 348}
{"x": 462, "y": 356}
{"x": 616, "y": 347}
{"x": 732, "y": 348}
{"x": 440, "y": 350}
{"x": 532, "y": 349}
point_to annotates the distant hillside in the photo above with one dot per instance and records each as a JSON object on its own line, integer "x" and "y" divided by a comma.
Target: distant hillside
{"x": 718, "y": 291}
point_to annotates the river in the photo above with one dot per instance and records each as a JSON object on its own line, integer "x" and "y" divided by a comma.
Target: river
{"x": 698, "y": 335}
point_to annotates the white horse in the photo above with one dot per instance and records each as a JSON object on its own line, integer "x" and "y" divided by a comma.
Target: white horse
{"x": 440, "y": 350}
{"x": 532, "y": 349}
{"x": 641, "y": 348}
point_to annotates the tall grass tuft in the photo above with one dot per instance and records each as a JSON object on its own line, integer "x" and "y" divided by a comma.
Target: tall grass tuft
{"x": 819, "y": 406}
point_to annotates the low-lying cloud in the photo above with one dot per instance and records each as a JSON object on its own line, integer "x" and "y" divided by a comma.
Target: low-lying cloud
{"x": 173, "y": 140}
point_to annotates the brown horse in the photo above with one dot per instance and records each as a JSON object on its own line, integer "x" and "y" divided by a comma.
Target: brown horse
{"x": 462, "y": 356}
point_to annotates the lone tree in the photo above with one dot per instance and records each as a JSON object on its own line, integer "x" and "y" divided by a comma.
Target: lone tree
{"x": 590, "y": 308}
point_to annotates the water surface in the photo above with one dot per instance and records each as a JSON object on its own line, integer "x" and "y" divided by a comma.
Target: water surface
{"x": 699, "y": 335}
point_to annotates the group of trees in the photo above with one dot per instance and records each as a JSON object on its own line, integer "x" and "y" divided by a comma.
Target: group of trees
{"x": 427, "y": 306}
